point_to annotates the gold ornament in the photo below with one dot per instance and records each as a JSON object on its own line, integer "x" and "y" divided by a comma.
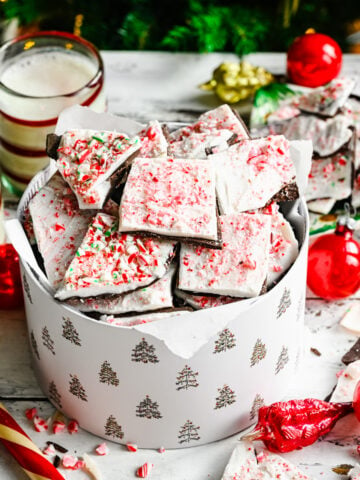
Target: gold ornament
{"x": 233, "y": 82}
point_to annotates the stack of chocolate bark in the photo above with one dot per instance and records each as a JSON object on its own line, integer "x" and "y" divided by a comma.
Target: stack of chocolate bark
{"x": 330, "y": 117}
{"x": 135, "y": 229}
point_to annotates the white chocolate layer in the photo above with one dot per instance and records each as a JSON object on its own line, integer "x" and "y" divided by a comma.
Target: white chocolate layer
{"x": 203, "y": 301}
{"x": 153, "y": 141}
{"x": 251, "y": 172}
{"x": 239, "y": 269}
{"x": 59, "y": 226}
{"x": 347, "y": 380}
{"x": 130, "y": 321}
{"x": 87, "y": 159}
{"x": 154, "y": 297}
{"x": 196, "y": 144}
{"x": 173, "y": 197}
{"x": 108, "y": 262}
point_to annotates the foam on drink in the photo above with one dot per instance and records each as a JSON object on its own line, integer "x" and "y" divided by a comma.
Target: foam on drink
{"x": 48, "y": 73}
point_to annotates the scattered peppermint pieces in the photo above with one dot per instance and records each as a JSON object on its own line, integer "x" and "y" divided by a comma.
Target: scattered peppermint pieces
{"x": 132, "y": 447}
{"x": 30, "y": 413}
{"x": 73, "y": 426}
{"x": 144, "y": 470}
{"x": 102, "y": 449}
{"x": 40, "y": 424}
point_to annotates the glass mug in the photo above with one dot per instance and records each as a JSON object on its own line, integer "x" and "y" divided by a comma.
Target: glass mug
{"x": 40, "y": 75}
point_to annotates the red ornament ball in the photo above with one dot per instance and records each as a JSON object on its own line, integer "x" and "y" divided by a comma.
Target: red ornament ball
{"x": 313, "y": 60}
{"x": 334, "y": 264}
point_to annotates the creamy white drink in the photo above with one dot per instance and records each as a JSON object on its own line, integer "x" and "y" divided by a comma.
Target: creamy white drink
{"x": 36, "y": 84}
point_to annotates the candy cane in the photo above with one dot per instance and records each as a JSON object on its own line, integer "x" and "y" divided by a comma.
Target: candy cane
{"x": 25, "y": 452}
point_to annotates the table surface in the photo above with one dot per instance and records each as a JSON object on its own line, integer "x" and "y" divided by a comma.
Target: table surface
{"x": 154, "y": 85}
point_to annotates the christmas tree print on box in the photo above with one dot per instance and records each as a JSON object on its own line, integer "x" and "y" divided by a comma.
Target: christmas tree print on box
{"x": 148, "y": 409}
{"x": 282, "y": 360}
{"x": 285, "y": 303}
{"x": 186, "y": 379}
{"x": 113, "y": 429}
{"x": 108, "y": 375}
{"x": 143, "y": 352}
{"x": 300, "y": 309}
{"x": 27, "y": 289}
{"x": 54, "y": 395}
{"x": 188, "y": 433}
{"x": 34, "y": 345}
{"x": 76, "y": 388}
{"x": 257, "y": 404}
{"x": 259, "y": 353}
{"x": 226, "y": 397}
{"x": 70, "y": 332}
{"x": 225, "y": 341}
{"x": 47, "y": 340}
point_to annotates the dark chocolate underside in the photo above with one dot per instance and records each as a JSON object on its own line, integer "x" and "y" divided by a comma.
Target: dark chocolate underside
{"x": 353, "y": 354}
{"x": 288, "y": 193}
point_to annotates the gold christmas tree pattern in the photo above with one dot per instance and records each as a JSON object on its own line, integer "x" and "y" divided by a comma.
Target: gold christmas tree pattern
{"x": 47, "y": 341}
{"x": 282, "y": 360}
{"x": 186, "y": 379}
{"x": 225, "y": 341}
{"x": 148, "y": 409}
{"x": 257, "y": 404}
{"x": 226, "y": 397}
{"x": 259, "y": 352}
{"x": 188, "y": 433}
{"x": 113, "y": 429}
{"x": 76, "y": 388}
{"x": 70, "y": 332}
{"x": 27, "y": 288}
{"x": 285, "y": 303}
{"x": 143, "y": 352}
{"x": 34, "y": 345}
{"x": 108, "y": 375}
{"x": 54, "y": 394}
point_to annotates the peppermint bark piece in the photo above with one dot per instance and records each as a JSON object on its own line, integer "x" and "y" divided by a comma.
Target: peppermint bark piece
{"x": 251, "y": 173}
{"x": 108, "y": 262}
{"x": 347, "y": 380}
{"x": 153, "y": 297}
{"x": 352, "y": 109}
{"x": 221, "y": 118}
{"x": 328, "y": 136}
{"x": 242, "y": 464}
{"x": 199, "y": 145}
{"x": 284, "y": 247}
{"x": 87, "y": 159}
{"x": 275, "y": 467}
{"x": 204, "y": 301}
{"x": 239, "y": 269}
{"x": 59, "y": 226}
{"x": 331, "y": 177}
{"x": 328, "y": 99}
{"x": 321, "y": 205}
{"x": 130, "y": 321}
{"x": 174, "y": 198}
{"x": 153, "y": 141}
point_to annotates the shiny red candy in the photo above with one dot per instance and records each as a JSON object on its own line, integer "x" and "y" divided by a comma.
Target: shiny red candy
{"x": 334, "y": 265}
{"x": 313, "y": 60}
{"x": 292, "y": 425}
{"x": 356, "y": 401}
{"x": 11, "y": 296}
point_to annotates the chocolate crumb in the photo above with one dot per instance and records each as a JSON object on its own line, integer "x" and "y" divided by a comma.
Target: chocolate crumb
{"x": 342, "y": 469}
{"x": 57, "y": 447}
{"x": 315, "y": 351}
{"x": 56, "y": 461}
{"x": 353, "y": 354}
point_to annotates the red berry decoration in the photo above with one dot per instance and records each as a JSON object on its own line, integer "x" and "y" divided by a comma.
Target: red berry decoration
{"x": 313, "y": 60}
{"x": 356, "y": 401}
{"x": 334, "y": 262}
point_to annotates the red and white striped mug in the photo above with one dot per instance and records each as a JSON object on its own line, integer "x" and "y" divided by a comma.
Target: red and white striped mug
{"x": 40, "y": 75}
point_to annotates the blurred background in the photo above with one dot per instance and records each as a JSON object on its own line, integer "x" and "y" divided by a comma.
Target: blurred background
{"x": 187, "y": 25}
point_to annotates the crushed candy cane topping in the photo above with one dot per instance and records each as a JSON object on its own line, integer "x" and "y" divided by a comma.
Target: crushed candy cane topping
{"x": 111, "y": 262}
{"x": 251, "y": 172}
{"x": 87, "y": 158}
{"x": 174, "y": 197}
{"x": 153, "y": 141}
{"x": 239, "y": 269}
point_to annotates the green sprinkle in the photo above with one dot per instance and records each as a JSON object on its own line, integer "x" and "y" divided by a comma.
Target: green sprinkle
{"x": 98, "y": 139}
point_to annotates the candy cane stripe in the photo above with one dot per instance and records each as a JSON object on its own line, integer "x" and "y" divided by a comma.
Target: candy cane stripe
{"x": 7, "y": 420}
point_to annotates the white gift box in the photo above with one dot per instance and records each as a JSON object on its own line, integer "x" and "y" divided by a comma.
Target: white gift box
{"x": 177, "y": 382}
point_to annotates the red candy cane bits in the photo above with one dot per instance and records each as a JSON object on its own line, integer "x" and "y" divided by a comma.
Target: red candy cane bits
{"x": 132, "y": 447}
{"x": 73, "y": 426}
{"x": 287, "y": 426}
{"x": 40, "y": 424}
{"x": 30, "y": 413}
{"x": 144, "y": 470}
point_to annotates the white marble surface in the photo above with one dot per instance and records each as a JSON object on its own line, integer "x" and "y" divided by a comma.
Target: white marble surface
{"x": 160, "y": 85}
